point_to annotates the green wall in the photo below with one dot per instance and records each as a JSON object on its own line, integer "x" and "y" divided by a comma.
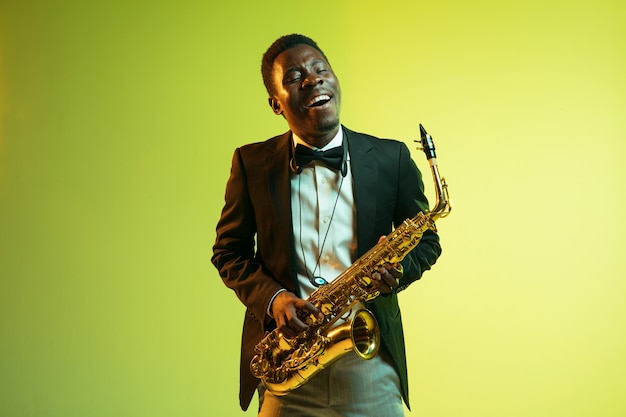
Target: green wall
{"x": 118, "y": 122}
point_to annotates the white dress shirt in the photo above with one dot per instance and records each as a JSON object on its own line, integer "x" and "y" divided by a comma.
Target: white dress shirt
{"x": 323, "y": 216}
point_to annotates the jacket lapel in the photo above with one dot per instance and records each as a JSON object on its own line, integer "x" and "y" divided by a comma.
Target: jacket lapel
{"x": 278, "y": 154}
{"x": 364, "y": 173}
{"x": 277, "y": 166}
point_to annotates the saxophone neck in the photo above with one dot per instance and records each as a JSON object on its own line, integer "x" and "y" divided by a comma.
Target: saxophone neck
{"x": 442, "y": 205}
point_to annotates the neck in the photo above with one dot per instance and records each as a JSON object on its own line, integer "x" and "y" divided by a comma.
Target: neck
{"x": 320, "y": 140}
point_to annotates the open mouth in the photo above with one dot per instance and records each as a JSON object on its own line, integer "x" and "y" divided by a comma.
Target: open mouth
{"x": 318, "y": 101}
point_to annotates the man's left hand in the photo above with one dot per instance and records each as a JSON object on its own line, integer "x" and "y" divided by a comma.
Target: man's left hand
{"x": 387, "y": 276}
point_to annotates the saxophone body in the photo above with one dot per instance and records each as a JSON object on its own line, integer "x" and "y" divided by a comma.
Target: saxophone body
{"x": 284, "y": 364}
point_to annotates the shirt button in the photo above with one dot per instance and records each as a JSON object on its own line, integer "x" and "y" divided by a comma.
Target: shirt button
{"x": 325, "y": 220}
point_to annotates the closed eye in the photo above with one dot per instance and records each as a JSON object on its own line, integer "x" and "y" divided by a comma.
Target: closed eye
{"x": 292, "y": 77}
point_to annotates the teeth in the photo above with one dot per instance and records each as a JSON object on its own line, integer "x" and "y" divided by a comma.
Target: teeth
{"x": 318, "y": 99}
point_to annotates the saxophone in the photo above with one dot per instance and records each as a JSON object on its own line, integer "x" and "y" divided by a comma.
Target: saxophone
{"x": 284, "y": 364}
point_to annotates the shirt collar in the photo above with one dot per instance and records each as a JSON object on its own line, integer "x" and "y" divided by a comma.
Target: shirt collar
{"x": 334, "y": 143}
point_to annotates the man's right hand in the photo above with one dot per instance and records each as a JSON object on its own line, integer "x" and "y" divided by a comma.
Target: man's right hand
{"x": 285, "y": 308}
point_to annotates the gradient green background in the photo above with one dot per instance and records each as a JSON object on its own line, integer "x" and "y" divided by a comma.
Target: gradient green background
{"x": 118, "y": 123}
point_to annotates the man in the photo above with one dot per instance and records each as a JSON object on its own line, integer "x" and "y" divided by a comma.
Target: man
{"x": 310, "y": 222}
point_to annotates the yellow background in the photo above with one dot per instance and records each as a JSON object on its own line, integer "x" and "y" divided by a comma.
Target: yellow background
{"x": 118, "y": 123}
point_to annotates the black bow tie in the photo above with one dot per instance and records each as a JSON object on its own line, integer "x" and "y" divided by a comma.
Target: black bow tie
{"x": 332, "y": 158}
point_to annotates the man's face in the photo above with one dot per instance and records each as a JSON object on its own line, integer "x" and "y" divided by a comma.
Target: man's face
{"x": 307, "y": 94}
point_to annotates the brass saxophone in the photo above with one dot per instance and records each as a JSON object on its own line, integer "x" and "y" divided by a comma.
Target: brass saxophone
{"x": 284, "y": 364}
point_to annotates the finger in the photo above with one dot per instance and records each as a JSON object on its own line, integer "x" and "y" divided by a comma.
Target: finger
{"x": 387, "y": 277}
{"x": 381, "y": 283}
{"x": 396, "y": 270}
{"x": 292, "y": 327}
{"x": 288, "y": 332}
{"x": 390, "y": 280}
{"x": 297, "y": 325}
{"x": 283, "y": 327}
{"x": 310, "y": 307}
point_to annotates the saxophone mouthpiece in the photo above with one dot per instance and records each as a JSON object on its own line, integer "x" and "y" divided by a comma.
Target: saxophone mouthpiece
{"x": 428, "y": 146}
{"x": 422, "y": 131}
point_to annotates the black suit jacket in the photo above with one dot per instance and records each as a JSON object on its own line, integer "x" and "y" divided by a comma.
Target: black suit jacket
{"x": 388, "y": 189}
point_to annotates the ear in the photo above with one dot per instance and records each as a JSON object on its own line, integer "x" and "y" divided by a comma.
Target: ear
{"x": 275, "y": 105}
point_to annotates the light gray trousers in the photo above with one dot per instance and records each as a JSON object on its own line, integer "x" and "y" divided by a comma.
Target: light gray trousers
{"x": 350, "y": 387}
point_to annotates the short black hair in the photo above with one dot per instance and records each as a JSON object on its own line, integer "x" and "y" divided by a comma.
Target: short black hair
{"x": 279, "y": 46}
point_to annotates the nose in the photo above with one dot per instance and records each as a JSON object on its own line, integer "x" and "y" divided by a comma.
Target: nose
{"x": 311, "y": 79}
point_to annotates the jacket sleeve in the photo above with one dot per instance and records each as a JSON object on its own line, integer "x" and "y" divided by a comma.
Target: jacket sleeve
{"x": 410, "y": 201}
{"x": 234, "y": 253}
